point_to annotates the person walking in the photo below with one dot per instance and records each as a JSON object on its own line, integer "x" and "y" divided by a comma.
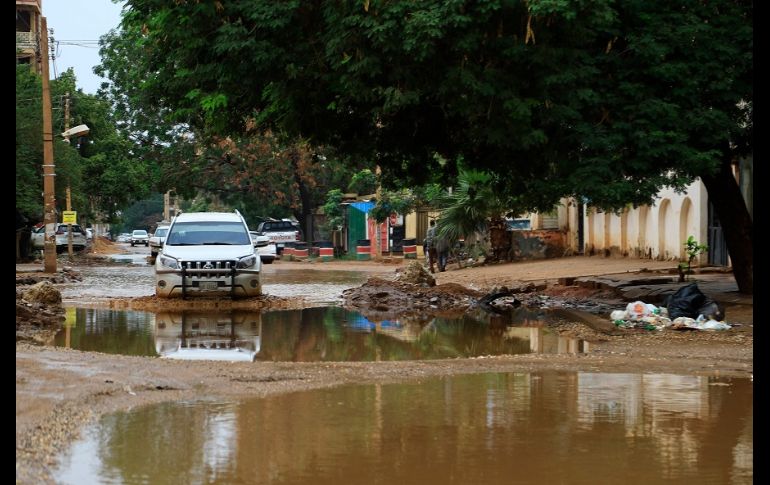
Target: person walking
{"x": 441, "y": 250}
{"x": 427, "y": 245}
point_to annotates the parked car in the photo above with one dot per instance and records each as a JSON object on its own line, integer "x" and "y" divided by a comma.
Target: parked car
{"x": 123, "y": 237}
{"x": 265, "y": 248}
{"x": 280, "y": 232}
{"x": 89, "y": 233}
{"x": 156, "y": 241}
{"x": 207, "y": 253}
{"x": 37, "y": 237}
{"x": 140, "y": 236}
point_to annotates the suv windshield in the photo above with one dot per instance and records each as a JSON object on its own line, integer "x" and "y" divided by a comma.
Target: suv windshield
{"x": 140, "y": 233}
{"x": 62, "y": 229}
{"x": 161, "y": 231}
{"x": 277, "y": 226}
{"x": 208, "y": 233}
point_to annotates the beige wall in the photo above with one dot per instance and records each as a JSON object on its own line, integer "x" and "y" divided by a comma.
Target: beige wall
{"x": 659, "y": 230}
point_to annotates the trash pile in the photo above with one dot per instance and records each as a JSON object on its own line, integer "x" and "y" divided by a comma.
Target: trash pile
{"x": 687, "y": 309}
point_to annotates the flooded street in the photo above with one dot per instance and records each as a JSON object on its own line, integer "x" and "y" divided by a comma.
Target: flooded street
{"x": 498, "y": 428}
{"x": 323, "y": 393}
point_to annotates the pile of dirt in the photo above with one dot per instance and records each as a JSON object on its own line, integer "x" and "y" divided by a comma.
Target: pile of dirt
{"x": 102, "y": 245}
{"x": 38, "y": 313}
{"x": 379, "y": 298}
{"x": 44, "y": 292}
{"x": 416, "y": 274}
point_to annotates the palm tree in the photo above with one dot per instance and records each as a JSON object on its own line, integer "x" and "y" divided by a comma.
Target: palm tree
{"x": 473, "y": 207}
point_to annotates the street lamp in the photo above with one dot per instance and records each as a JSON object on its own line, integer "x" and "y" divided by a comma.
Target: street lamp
{"x": 80, "y": 130}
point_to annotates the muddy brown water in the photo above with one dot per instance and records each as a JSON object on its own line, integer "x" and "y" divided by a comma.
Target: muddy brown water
{"x": 498, "y": 428}
{"x": 315, "y": 286}
{"x": 326, "y": 333}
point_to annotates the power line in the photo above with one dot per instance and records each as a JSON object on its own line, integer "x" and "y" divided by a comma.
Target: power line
{"x": 74, "y": 44}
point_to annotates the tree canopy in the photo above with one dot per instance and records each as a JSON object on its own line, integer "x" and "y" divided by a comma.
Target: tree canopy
{"x": 604, "y": 100}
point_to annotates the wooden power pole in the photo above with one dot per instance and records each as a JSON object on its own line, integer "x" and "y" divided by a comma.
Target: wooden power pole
{"x": 49, "y": 194}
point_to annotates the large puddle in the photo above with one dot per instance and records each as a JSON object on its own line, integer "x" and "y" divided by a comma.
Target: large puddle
{"x": 315, "y": 334}
{"x": 556, "y": 427}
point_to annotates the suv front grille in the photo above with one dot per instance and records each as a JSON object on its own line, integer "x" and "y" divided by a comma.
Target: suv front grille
{"x": 208, "y": 269}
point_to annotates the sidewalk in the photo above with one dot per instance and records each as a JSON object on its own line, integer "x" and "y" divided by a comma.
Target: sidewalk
{"x": 721, "y": 287}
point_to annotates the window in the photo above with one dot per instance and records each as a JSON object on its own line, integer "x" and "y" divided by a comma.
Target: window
{"x": 23, "y": 23}
{"x": 208, "y": 233}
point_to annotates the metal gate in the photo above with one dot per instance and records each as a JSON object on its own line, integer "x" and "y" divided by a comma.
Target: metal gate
{"x": 716, "y": 240}
{"x": 357, "y": 223}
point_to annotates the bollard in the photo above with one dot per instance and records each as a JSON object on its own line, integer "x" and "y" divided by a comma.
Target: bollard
{"x": 410, "y": 248}
{"x": 300, "y": 252}
{"x": 364, "y": 250}
{"x": 288, "y": 251}
{"x": 325, "y": 250}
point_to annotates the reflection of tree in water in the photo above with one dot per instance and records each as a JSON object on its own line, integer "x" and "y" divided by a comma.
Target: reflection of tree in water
{"x": 111, "y": 331}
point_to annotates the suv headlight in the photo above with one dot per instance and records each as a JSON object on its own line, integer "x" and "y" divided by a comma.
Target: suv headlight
{"x": 247, "y": 262}
{"x": 169, "y": 262}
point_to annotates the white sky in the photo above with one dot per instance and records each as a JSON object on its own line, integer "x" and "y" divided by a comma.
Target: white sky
{"x": 80, "y": 22}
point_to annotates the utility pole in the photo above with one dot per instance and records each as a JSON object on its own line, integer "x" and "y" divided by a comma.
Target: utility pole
{"x": 377, "y": 232}
{"x": 49, "y": 194}
{"x": 69, "y": 198}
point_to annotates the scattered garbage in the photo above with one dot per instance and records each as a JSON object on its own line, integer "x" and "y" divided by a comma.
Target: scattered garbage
{"x": 689, "y": 301}
{"x": 647, "y": 316}
{"x": 701, "y": 323}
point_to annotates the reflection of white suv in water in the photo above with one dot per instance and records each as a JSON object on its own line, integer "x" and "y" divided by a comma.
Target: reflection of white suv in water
{"x": 207, "y": 253}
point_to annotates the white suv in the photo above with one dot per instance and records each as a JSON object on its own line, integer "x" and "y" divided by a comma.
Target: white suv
{"x": 207, "y": 253}
{"x": 62, "y": 238}
{"x": 140, "y": 236}
{"x": 156, "y": 241}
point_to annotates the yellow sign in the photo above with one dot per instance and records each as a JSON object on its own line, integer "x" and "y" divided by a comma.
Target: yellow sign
{"x": 69, "y": 217}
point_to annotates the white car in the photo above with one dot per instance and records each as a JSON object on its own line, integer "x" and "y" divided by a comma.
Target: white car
{"x": 156, "y": 241}
{"x": 208, "y": 253}
{"x": 37, "y": 238}
{"x": 140, "y": 236}
{"x": 265, "y": 247}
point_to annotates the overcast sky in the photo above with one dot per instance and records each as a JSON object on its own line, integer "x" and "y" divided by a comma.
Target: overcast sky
{"x": 77, "y": 26}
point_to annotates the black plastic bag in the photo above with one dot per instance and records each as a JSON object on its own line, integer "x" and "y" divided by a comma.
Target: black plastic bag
{"x": 688, "y": 301}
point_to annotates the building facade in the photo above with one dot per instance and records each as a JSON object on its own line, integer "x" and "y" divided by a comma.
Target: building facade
{"x": 28, "y": 33}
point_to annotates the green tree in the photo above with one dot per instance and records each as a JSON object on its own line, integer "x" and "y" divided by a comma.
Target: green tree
{"x": 608, "y": 100}
{"x": 100, "y": 169}
{"x": 363, "y": 182}
{"x": 333, "y": 212}
{"x": 142, "y": 214}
